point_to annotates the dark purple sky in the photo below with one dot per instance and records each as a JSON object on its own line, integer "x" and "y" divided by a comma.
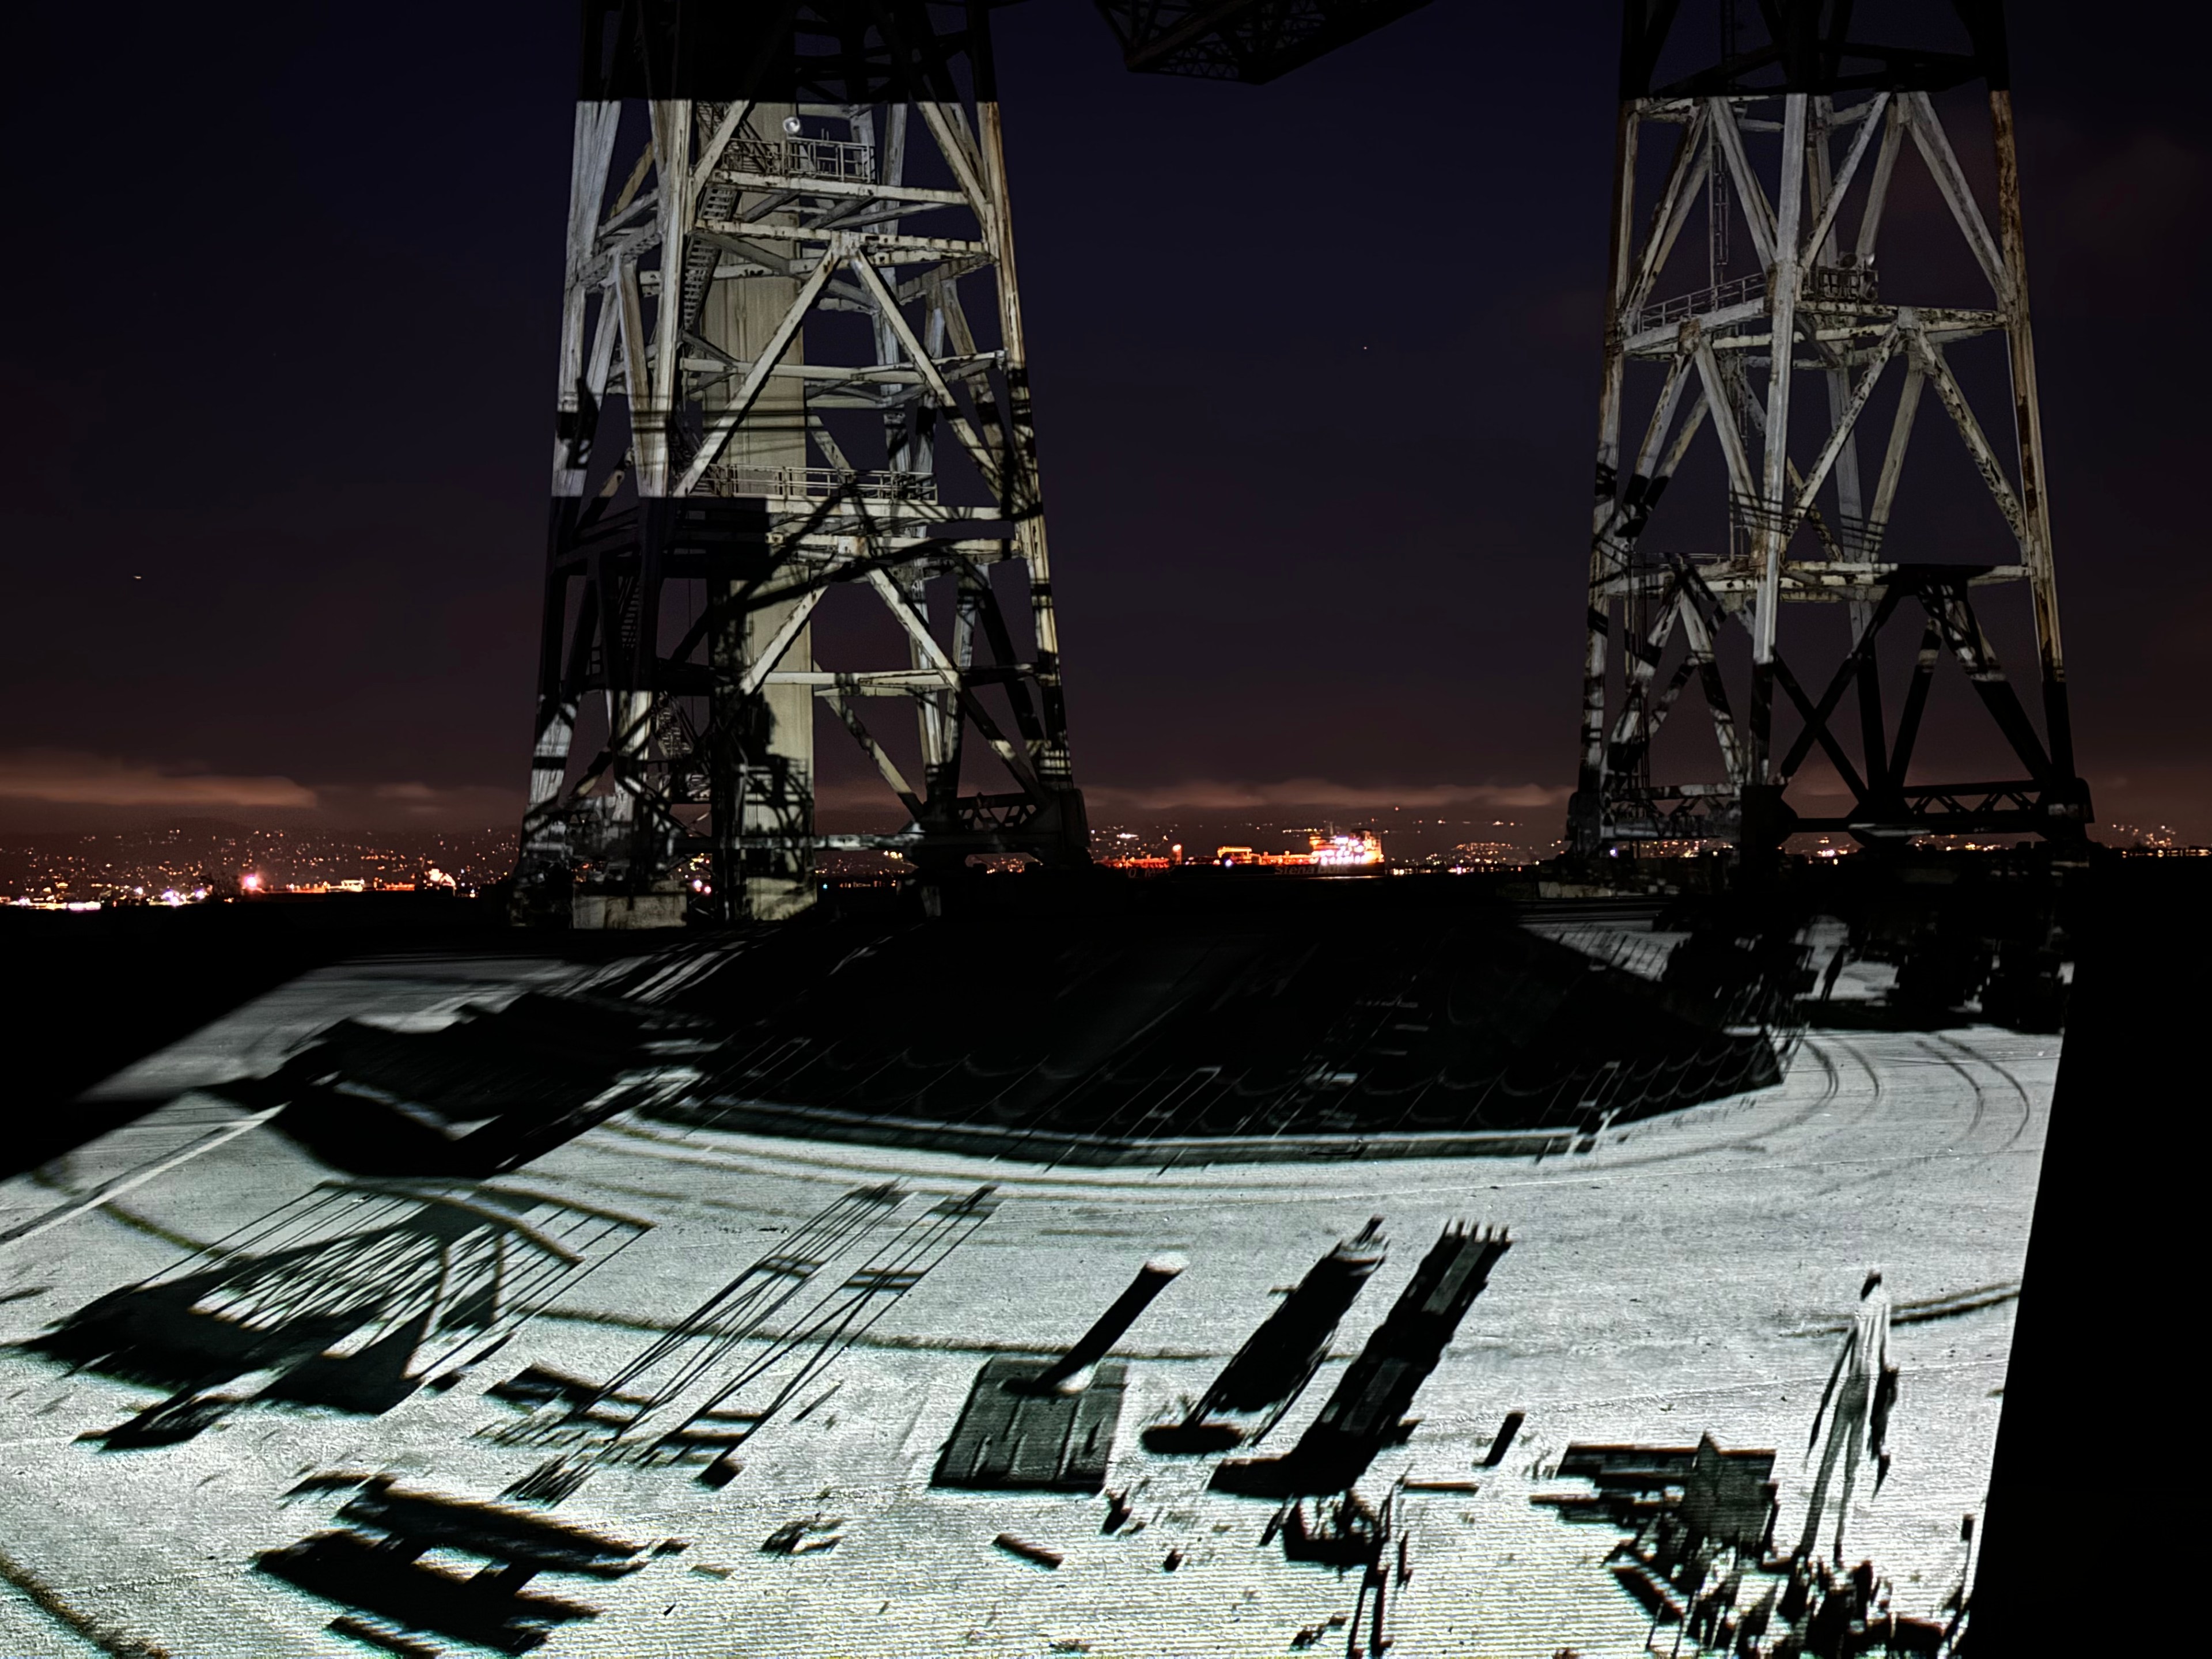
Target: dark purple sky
{"x": 283, "y": 299}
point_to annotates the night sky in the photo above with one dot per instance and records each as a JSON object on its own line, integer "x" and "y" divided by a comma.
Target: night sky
{"x": 283, "y": 319}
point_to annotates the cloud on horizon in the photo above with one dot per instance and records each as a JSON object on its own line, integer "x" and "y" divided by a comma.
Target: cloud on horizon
{"x": 52, "y": 781}
{"x": 1209, "y": 794}
{"x": 1232, "y": 795}
{"x": 65, "y": 789}
{"x": 65, "y": 777}
{"x": 466, "y": 803}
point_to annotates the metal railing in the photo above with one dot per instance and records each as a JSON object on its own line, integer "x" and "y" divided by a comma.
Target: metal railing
{"x": 1844, "y": 283}
{"x": 819, "y": 482}
{"x": 1633, "y": 953}
{"x": 802, "y": 158}
{"x": 1657, "y": 313}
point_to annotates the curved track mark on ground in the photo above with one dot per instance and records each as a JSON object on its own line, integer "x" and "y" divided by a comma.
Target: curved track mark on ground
{"x": 1929, "y": 1047}
{"x": 1752, "y": 1137}
{"x": 1320, "y": 1180}
{"x": 927, "y": 1171}
{"x": 1961, "y": 1144}
{"x": 2012, "y": 1081}
{"x": 1848, "y": 1103}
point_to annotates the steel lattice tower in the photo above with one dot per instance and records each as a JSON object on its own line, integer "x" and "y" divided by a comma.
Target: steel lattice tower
{"x": 1788, "y": 143}
{"x": 728, "y": 450}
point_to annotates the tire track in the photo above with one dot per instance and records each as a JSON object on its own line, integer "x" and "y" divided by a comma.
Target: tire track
{"x": 1887, "y": 1166}
{"x": 1849, "y": 1102}
{"x": 1981, "y": 1095}
{"x": 2012, "y": 1081}
{"x": 1831, "y": 1088}
{"x": 1961, "y": 1059}
{"x": 1365, "y": 1180}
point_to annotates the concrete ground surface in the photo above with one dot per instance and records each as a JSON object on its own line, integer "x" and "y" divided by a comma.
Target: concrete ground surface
{"x": 1686, "y": 1276}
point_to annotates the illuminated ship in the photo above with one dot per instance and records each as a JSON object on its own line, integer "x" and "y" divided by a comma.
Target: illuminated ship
{"x": 1330, "y": 852}
{"x": 1361, "y": 851}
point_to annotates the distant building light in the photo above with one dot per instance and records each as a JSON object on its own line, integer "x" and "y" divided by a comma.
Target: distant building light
{"x": 1347, "y": 851}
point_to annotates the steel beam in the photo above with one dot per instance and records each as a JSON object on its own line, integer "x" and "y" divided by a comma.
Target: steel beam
{"x": 1796, "y": 131}
{"x": 723, "y": 462}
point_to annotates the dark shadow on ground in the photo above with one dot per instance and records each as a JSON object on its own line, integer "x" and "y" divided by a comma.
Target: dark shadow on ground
{"x": 90, "y": 993}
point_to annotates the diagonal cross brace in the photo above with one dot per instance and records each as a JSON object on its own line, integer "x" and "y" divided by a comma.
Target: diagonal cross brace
{"x": 726, "y": 420}
{"x": 887, "y": 304}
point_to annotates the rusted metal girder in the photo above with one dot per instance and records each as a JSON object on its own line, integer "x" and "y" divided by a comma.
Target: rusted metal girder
{"x": 724, "y": 457}
{"x": 1787, "y": 140}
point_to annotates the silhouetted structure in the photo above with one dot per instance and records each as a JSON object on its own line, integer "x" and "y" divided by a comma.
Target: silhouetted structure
{"x": 1251, "y": 40}
{"x": 1347, "y": 1533}
{"x": 1725, "y": 1496}
{"x": 352, "y": 1296}
{"x": 1279, "y": 1359}
{"x": 485, "y": 1094}
{"x": 375, "y": 1565}
{"x": 1049, "y": 1425}
{"x": 1197, "y": 1022}
{"x": 697, "y": 1393}
{"x": 1366, "y": 1412}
